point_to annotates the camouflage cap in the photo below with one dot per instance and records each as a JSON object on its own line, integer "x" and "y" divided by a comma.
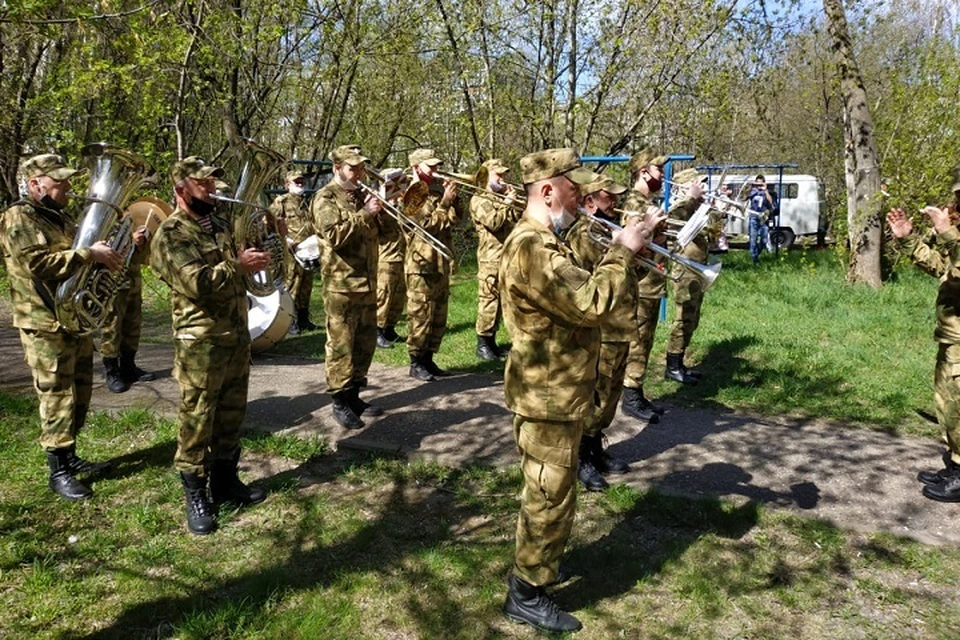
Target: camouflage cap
{"x": 604, "y": 184}
{"x": 687, "y": 175}
{"x": 221, "y": 185}
{"x": 646, "y": 157}
{"x": 543, "y": 165}
{"x": 956, "y": 179}
{"x": 347, "y": 154}
{"x": 47, "y": 164}
{"x": 496, "y": 165}
{"x": 193, "y": 167}
{"x": 424, "y": 155}
{"x": 293, "y": 174}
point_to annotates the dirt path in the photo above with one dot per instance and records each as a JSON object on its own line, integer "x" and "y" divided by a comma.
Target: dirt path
{"x": 855, "y": 478}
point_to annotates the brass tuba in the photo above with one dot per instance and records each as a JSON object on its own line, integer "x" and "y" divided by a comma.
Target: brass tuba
{"x": 254, "y": 225}
{"x": 84, "y": 298}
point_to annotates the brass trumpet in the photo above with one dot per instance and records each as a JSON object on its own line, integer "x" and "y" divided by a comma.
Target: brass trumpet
{"x": 407, "y": 224}
{"x": 706, "y": 273}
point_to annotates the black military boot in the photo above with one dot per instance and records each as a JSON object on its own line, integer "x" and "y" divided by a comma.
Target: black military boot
{"x": 418, "y": 369}
{"x": 382, "y": 341}
{"x": 390, "y": 333}
{"x": 531, "y": 605}
{"x": 693, "y": 373}
{"x": 115, "y": 379}
{"x": 78, "y": 465}
{"x": 343, "y": 413}
{"x": 303, "y": 321}
{"x": 130, "y": 371}
{"x": 432, "y": 367}
{"x": 359, "y": 406}
{"x": 502, "y": 350}
{"x": 948, "y": 489}
{"x": 646, "y": 404}
{"x": 486, "y": 348}
{"x": 587, "y": 472}
{"x": 935, "y": 477}
{"x": 62, "y": 481}
{"x": 603, "y": 461}
{"x": 633, "y": 406}
{"x": 226, "y": 486}
{"x": 200, "y": 517}
{"x": 675, "y": 370}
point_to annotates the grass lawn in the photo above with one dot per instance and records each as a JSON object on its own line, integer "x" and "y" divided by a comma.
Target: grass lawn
{"x": 362, "y": 547}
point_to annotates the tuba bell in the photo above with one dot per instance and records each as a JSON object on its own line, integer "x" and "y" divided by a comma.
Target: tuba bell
{"x": 84, "y": 298}
{"x": 254, "y": 225}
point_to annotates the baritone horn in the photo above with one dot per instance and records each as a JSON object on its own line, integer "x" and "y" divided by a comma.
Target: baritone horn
{"x": 83, "y": 299}
{"x": 256, "y": 227}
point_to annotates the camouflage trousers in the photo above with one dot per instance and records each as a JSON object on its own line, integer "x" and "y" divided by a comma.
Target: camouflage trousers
{"x": 488, "y": 299}
{"x": 611, "y": 370}
{"x": 213, "y": 381}
{"x": 391, "y": 293}
{"x": 351, "y": 337}
{"x": 946, "y": 389}
{"x": 427, "y": 296}
{"x": 548, "y": 502}
{"x": 62, "y": 367}
{"x": 648, "y": 312}
{"x": 687, "y": 300}
{"x": 121, "y": 327}
{"x": 299, "y": 283}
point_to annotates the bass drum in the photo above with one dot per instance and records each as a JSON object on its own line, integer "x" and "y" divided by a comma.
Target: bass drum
{"x": 269, "y": 318}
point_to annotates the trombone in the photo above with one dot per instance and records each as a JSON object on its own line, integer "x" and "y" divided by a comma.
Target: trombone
{"x": 407, "y": 224}
{"x": 477, "y": 184}
{"x": 706, "y": 273}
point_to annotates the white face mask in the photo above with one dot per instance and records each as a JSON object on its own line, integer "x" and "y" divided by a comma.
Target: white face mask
{"x": 562, "y": 221}
{"x": 295, "y": 189}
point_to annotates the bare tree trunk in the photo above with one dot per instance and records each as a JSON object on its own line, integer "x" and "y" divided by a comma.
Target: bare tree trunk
{"x": 568, "y": 114}
{"x": 463, "y": 80}
{"x": 862, "y": 170}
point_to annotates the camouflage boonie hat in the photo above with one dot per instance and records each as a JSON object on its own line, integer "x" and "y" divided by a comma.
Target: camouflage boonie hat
{"x": 604, "y": 184}
{"x": 347, "y": 154}
{"x": 496, "y": 165}
{"x": 687, "y": 175}
{"x": 956, "y": 180}
{"x": 424, "y": 155}
{"x": 193, "y": 167}
{"x": 47, "y": 164}
{"x": 293, "y": 174}
{"x": 644, "y": 158}
{"x": 543, "y": 165}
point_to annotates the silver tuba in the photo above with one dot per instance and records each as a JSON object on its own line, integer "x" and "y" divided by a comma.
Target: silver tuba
{"x": 254, "y": 225}
{"x": 85, "y": 297}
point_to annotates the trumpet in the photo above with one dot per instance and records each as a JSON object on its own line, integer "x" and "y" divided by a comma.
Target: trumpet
{"x": 683, "y": 231}
{"x": 406, "y": 223}
{"x": 706, "y": 273}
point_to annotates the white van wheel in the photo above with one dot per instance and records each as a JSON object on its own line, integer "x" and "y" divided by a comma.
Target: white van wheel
{"x": 782, "y": 237}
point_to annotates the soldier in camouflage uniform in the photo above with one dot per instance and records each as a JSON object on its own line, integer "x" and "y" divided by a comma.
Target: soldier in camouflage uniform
{"x": 552, "y": 309}
{"x": 939, "y": 255}
{"x": 346, "y": 222}
{"x": 688, "y": 288}
{"x": 617, "y": 329}
{"x": 120, "y": 333}
{"x": 428, "y": 272}
{"x": 646, "y": 168}
{"x": 493, "y": 218}
{"x": 36, "y": 238}
{"x": 194, "y": 253}
{"x": 292, "y": 207}
{"x": 391, "y": 287}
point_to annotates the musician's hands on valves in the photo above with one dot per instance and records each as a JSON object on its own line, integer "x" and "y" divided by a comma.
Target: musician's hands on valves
{"x": 372, "y": 205}
{"x": 637, "y": 234}
{"x": 253, "y": 260}
{"x": 449, "y": 193}
{"x": 104, "y": 254}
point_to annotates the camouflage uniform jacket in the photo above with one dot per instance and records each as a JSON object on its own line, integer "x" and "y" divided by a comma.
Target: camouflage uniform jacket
{"x": 348, "y": 241}
{"x": 438, "y": 221}
{"x": 553, "y": 309}
{"x": 208, "y": 295}
{"x": 652, "y": 284}
{"x": 493, "y": 219}
{"x": 36, "y": 245}
{"x": 620, "y": 325}
{"x": 940, "y": 256}
{"x": 293, "y": 209}
{"x": 393, "y": 245}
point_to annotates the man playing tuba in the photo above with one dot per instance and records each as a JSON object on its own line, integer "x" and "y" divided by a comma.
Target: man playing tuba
{"x": 36, "y": 241}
